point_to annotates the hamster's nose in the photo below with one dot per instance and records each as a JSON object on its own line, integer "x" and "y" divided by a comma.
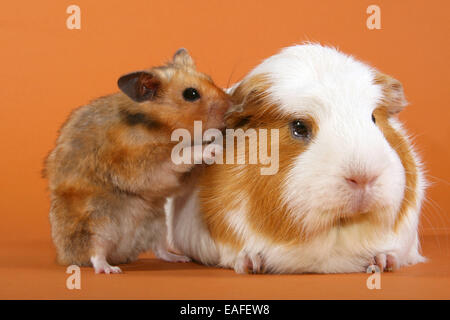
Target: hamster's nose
{"x": 360, "y": 180}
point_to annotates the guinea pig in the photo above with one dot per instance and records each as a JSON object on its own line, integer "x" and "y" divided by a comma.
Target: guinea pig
{"x": 111, "y": 169}
{"x": 349, "y": 185}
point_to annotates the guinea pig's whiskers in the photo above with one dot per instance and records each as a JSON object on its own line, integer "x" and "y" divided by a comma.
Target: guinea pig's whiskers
{"x": 433, "y": 231}
{"x": 436, "y": 211}
{"x": 437, "y": 179}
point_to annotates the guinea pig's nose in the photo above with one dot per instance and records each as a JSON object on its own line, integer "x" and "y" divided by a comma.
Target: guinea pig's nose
{"x": 360, "y": 180}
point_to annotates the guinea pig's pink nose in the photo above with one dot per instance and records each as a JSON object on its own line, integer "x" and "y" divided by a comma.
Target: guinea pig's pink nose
{"x": 360, "y": 181}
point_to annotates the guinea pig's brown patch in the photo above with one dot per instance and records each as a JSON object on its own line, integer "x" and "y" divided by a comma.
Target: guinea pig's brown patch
{"x": 215, "y": 203}
{"x": 401, "y": 145}
{"x": 268, "y": 215}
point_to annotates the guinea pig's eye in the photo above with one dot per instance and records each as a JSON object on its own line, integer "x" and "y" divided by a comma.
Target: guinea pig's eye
{"x": 191, "y": 94}
{"x": 373, "y": 119}
{"x": 300, "y": 129}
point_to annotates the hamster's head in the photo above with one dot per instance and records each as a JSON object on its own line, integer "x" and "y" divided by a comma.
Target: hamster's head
{"x": 175, "y": 95}
{"x": 343, "y": 156}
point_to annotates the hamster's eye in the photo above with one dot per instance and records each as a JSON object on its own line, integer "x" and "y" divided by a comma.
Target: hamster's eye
{"x": 300, "y": 129}
{"x": 191, "y": 94}
{"x": 373, "y": 119}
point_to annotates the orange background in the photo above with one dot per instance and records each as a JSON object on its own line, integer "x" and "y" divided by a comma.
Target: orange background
{"x": 48, "y": 70}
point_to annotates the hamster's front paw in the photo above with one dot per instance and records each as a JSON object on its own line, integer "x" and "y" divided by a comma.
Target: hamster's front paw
{"x": 249, "y": 263}
{"x": 385, "y": 261}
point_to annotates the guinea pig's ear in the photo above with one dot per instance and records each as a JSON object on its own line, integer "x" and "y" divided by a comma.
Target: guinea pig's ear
{"x": 393, "y": 96}
{"x": 248, "y": 98}
{"x": 140, "y": 86}
{"x": 182, "y": 58}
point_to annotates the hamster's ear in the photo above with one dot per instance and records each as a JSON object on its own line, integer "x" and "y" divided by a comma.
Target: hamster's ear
{"x": 182, "y": 58}
{"x": 140, "y": 86}
{"x": 393, "y": 95}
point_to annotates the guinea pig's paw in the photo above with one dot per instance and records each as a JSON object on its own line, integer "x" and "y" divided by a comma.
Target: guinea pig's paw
{"x": 249, "y": 263}
{"x": 385, "y": 261}
{"x": 212, "y": 151}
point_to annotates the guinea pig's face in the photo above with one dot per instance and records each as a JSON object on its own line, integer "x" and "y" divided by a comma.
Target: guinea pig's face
{"x": 342, "y": 154}
{"x": 176, "y": 95}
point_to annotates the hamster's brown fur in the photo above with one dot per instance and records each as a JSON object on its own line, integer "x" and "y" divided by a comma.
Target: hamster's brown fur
{"x": 111, "y": 170}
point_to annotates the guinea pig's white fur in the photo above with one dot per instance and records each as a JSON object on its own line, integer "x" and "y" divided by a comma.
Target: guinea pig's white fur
{"x": 340, "y": 94}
